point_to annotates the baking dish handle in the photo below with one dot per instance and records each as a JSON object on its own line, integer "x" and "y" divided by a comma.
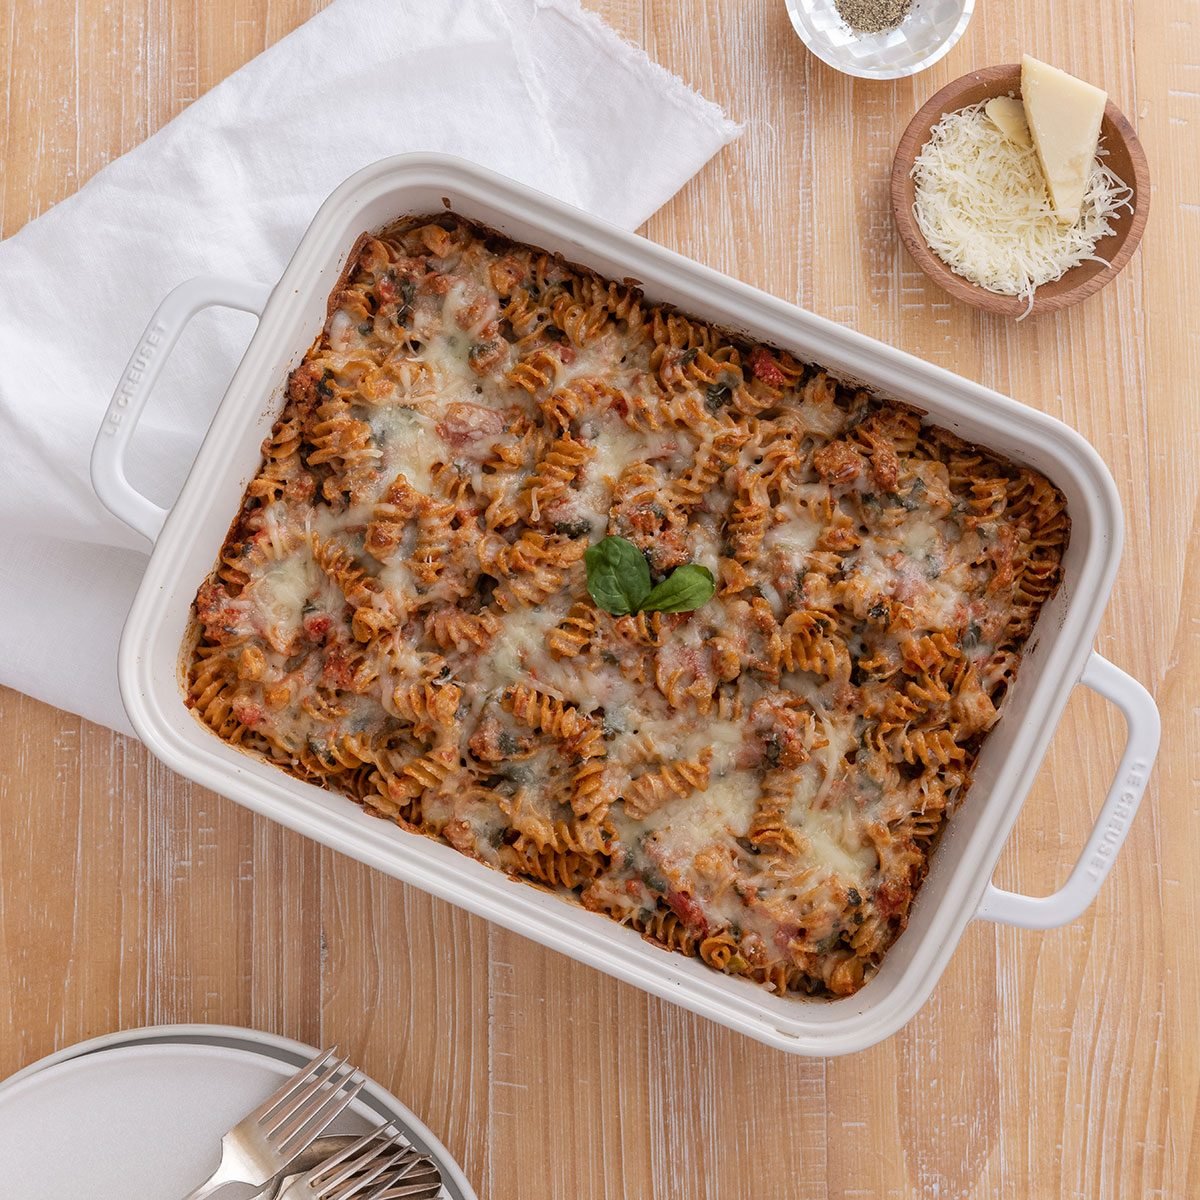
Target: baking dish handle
{"x": 1141, "y": 745}
{"x": 141, "y": 373}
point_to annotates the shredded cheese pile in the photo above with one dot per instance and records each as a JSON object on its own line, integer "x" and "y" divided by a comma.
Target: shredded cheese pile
{"x": 982, "y": 207}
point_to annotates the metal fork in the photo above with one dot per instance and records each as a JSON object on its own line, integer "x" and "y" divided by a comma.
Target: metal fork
{"x": 371, "y": 1168}
{"x": 425, "y": 1184}
{"x": 264, "y": 1142}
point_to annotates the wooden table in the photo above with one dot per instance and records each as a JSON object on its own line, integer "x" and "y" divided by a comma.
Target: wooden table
{"x": 1056, "y": 1064}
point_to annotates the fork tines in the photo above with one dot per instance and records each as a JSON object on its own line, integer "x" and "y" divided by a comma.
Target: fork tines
{"x": 308, "y": 1103}
{"x": 378, "y": 1160}
{"x": 421, "y": 1180}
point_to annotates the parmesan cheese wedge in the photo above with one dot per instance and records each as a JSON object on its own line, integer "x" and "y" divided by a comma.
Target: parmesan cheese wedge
{"x": 1063, "y": 114}
{"x": 1008, "y": 115}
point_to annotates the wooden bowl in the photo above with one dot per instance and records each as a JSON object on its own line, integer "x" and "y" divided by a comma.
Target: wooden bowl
{"x": 1125, "y": 156}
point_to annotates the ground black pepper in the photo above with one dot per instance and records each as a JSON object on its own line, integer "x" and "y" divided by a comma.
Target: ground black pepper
{"x": 872, "y": 16}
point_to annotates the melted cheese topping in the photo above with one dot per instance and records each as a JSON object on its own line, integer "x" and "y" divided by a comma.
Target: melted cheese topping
{"x": 401, "y": 611}
{"x": 409, "y": 441}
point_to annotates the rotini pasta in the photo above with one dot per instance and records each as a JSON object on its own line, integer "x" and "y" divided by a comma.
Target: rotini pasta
{"x": 400, "y": 612}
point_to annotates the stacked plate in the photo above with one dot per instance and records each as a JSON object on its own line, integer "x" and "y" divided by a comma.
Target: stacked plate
{"x": 139, "y": 1115}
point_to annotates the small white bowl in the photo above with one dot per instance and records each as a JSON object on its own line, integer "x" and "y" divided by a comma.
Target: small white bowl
{"x": 924, "y": 36}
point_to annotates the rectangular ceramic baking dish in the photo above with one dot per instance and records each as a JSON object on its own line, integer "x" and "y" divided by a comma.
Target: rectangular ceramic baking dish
{"x": 186, "y": 540}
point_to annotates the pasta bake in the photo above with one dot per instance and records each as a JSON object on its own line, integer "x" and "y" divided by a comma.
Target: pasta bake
{"x": 403, "y": 610}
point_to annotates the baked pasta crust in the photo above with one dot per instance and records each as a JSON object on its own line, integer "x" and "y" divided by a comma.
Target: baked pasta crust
{"x": 400, "y": 610}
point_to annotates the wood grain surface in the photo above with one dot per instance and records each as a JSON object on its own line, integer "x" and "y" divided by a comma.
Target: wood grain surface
{"x": 1064, "y": 1063}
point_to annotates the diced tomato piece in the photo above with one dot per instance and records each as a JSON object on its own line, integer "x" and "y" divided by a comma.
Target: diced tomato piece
{"x": 316, "y": 626}
{"x": 687, "y": 910}
{"x": 764, "y": 366}
{"x": 249, "y": 714}
{"x": 338, "y": 668}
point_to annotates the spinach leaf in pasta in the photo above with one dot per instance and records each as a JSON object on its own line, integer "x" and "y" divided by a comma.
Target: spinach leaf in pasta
{"x": 618, "y": 578}
{"x": 685, "y": 589}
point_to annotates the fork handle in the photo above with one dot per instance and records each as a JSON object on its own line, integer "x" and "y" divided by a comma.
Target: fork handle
{"x": 218, "y": 1181}
{"x": 210, "y": 1187}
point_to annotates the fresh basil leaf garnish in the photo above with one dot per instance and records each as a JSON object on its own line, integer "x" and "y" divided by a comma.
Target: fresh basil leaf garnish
{"x": 618, "y": 578}
{"x": 685, "y": 589}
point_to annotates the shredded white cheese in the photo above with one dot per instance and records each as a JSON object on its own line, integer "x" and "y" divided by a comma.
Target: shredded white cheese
{"x": 982, "y": 207}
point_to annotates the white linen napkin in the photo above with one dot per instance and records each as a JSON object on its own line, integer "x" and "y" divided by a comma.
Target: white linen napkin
{"x": 537, "y": 89}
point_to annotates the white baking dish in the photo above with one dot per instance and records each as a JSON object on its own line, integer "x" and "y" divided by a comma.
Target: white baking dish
{"x": 958, "y": 888}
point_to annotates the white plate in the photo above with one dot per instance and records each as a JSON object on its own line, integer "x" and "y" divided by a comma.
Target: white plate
{"x": 143, "y": 1121}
